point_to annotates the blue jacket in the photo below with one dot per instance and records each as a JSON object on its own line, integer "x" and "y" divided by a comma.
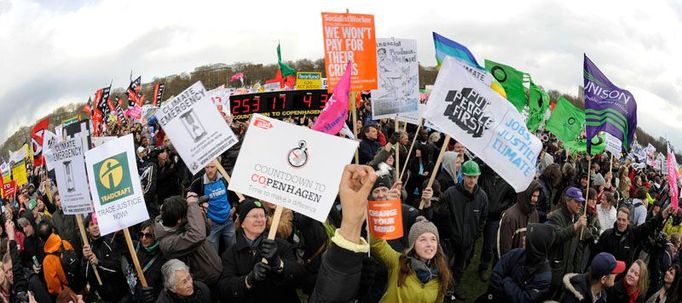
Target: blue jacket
{"x": 509, "y": 281}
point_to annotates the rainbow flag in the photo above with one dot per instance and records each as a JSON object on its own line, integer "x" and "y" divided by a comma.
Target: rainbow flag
{"x": 447, "y": 47}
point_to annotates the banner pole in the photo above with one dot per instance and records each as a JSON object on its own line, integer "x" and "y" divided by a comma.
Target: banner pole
{"x": 133, "y": 255}
{"x": 84, "y": 237}
{"x": 226, "y": 176}
{"x": 409, "y": 152}
{"x": 355, "y": 122}
{"x": 396, "y": 126}
{"x": 587, "y": 193}
{"x": 437, "y": 166}
{"x": 272, "y": 233}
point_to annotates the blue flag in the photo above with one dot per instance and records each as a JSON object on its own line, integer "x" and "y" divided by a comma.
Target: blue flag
{"x": 608, "y": 108}
{"x": 447, "y": 47}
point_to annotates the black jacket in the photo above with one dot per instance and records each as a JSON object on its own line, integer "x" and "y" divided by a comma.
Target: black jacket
{"x": 151, "y": 263}
{"x": 109, "y": 250}
{"x": 617, "y": 293}
{"x": 201, "y": 294}
{"x": 339, "y": 276}
{"x": 625, "y": 246}
{"x": 468, "y": 214}
{"x": 238, "y": 261}
{"x": 577, "y": 289}
{"x": 501, "y": 195}
{"x": 167, "y": 182}
{"x": 367, "y": 150}
{"x": 25, "y": 280}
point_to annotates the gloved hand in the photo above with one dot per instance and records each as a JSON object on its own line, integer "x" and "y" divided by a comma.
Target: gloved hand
{"x": 395, "y": 137}
{"x": 148, "y": 295}
{"x": 258, "y": 273}
{"x": 268, "y": 249}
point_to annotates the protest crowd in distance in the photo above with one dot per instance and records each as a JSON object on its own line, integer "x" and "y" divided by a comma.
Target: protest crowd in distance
{"x": 258, "y": 199}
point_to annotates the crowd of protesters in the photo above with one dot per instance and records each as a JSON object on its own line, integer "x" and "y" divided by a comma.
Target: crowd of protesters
{"x": 587, "y": 229}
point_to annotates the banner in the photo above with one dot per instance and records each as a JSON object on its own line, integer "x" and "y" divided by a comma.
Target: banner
{"x": 9, "y": 189}
{"x": 19, "y": 173}
{"x": 385, "y": 219}
{"x": 608, "y": 108}
{"x": 20, "y": 154}
{"x": 80, "y": 129}
{"x": 195, "y": 127}
{"x": 67, "y": 159}
{"x": 350, "y": 38}
{"x": 673, "y": 177}
{"x": 335, "y": 113}
{"x": 567, "y": 121}
{"x": 398, "y": 72}
{"x": 6, "y": 170}
{"x": 291, "y": 166}
{"x": 220, "y": 97}
{"x": 115, "y": 185}
{"x": 158, "y": 93}
{"x": 511, "y": 80}
{"x": 308, "y": 80}
{"x": 485, "y": 123}
{"x": 538, "y": 104}
{"x": 37, "y": 134}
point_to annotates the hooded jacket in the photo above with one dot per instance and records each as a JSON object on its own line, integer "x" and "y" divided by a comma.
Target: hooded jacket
{"x": 52, "y": 266}
{"x": 108, "y": 250}
{"x": 512, "y": 230}
{"x": 468, "y": 214}
{"x": 564, "y": 257}
{"x": 625, "y": 245}
{"x": 188, "y": 243}
{"x": 577, "y": 288}
{"x": 500, "y": 194}
{"x": 523, "y": 274}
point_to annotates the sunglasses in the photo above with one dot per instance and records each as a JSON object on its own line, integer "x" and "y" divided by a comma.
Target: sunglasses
{"x": 148, "y": 235}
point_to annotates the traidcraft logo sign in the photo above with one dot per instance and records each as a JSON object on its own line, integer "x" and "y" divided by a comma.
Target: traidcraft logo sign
{"x": 113, "y": 178}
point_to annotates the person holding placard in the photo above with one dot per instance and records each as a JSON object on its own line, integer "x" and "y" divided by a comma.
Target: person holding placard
{"x": 246, "y": 277}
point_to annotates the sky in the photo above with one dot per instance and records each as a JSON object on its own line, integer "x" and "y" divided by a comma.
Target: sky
{"x": 55, "y": 52}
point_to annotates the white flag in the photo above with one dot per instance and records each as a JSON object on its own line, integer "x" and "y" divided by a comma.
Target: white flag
{"x": 487, "y": 124}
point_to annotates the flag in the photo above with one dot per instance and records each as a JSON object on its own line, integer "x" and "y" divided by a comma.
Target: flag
{"x": 446, "y": 47}
{"x": 335, "y": 112}
{"x": 140, "y": 99}
{"x": 87, "y": 108}
{"x": 286, "y": 69}
{"x": 133, "y": 90}
{"x": 511, "y": 80}
{"x": 37, "y": 135}
{"x": 240, "y": 76}
{"x": 608, "y": 108}
{"x": 484, "y": 122}
{"x": 580, "y": 145}
{"x": 673, "y": 176}
{"x": 538, "y": 103}
{"x": 158, "y": 93}
{"x": 119, "y": 112}
{"x": 567, "y": 121}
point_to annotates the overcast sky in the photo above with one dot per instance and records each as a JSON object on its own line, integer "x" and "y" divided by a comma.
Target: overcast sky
{"x": 55, "y": 52}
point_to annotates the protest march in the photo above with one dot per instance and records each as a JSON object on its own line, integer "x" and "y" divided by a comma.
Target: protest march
{"x": 358, "y": 182}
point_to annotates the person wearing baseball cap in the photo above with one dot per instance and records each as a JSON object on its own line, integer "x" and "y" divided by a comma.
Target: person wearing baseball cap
{"x": 591, "y": 286}
{"x": 568, "y": 220}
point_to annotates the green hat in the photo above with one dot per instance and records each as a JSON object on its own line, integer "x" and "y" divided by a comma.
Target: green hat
{"x": 470, "y": 168}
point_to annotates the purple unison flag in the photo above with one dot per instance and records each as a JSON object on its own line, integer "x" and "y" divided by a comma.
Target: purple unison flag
{"x": 608, "y": 108}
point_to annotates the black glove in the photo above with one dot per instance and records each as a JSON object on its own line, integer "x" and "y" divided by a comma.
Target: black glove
{"x": 395, "y": 137}
{"x": 258, "y": 273}
{"x": 148, "y": 295}
{"x": 268, "y": 249}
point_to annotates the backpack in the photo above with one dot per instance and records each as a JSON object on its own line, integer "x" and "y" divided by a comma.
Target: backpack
{"x": 70, "y": 262}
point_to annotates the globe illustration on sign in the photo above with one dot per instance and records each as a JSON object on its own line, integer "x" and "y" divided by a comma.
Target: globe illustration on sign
{"x": 110, "y": 173}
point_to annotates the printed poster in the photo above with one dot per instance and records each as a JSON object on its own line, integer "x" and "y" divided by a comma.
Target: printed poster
{"x": 398, "y": 72}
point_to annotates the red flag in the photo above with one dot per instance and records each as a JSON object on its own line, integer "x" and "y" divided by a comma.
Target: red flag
{"x": 237, "y": 76}
{"x": 158, "y": 93}
{"x": 87, "y": 108}
{"x": 140, "y": 99}
{"x": 133, "y": 90}
{"x": 37, "y": 135}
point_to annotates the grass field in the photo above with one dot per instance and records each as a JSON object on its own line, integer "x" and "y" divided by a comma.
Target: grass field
{"x": 471, "y": 283}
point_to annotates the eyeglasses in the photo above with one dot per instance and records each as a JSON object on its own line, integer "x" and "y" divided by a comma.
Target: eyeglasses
{"x": 255, "y": 217}
{"x": 148, "y": 235}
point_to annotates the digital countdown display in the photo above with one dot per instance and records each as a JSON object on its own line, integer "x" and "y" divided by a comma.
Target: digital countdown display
{"x": 293, "y": 103}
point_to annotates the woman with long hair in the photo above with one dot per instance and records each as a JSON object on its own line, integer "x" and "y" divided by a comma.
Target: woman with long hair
{"x": 418, "y": 274}
{"x": 632, "y": 287}
{"x": 669, "y": 291}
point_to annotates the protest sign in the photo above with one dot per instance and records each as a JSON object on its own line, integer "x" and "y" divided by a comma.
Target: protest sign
{"x": 6, "y": 172}
{"x": 195, "y": 127}
{"x": 220, "y": 97}
{"x": 115, "y": 185}
{"x": 308, "y": 80}
{"x": 385, "y": 219}
{"x": 9, "y": 189}
{"x": 20, "y": 154}
{"x": 291, "y": 166}
{"x": 398, "y": 72}
{"x": 80, "y": 129}
{"x": 19, "y": 173}
{"x": 350, "y": 37}
{"x": 68, "y": 161}
{"x": 485, "y": 123}
{"x": 97, "y": 141}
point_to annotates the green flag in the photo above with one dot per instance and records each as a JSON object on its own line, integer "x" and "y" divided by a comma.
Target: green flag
{"x": 511, "y": 80}
{"x": 567, "y": 121}
{"x": 580, "y": 146}
{"x": 283, "y": 67}
{"x": 538, "y": 103}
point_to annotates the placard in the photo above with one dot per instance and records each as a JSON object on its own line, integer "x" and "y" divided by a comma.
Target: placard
{"x": 385, "y": 219}
{"x": 308, "y": 80}
{"x": 68, "y": 161}
{"x": 115, "y": 185}
{"x": 398, "y": 72}
{"x": 19, "y": 173}
{"x": 9, "y": 189}
{"x": 350, "y": 37}
{"x": 195, "y": 127}
{"x": 291, "y": 166}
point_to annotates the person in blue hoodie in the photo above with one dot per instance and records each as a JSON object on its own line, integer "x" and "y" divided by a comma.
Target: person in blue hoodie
{"x": 220, "y": 206}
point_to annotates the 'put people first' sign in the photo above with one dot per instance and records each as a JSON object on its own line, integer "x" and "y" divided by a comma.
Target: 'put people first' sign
{"x": 195, "y": 127}
{"x": 115, "y": 185}
{"x": 291, "y": 166}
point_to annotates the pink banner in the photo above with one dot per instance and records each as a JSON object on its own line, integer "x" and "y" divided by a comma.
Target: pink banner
{"x": 673, "y": 176}
{"x": 335, "y": 113}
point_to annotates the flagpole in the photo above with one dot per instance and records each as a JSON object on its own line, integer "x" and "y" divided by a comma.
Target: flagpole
{"x": 409, "y": 152}
{"x": 587, "y": 193}
{"x": 437, "y": 166}
{"x": 397, "y": 149}
{"x": 355, "y": 122}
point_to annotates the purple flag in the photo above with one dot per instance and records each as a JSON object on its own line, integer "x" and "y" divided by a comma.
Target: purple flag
{"x": 608, "y": 108}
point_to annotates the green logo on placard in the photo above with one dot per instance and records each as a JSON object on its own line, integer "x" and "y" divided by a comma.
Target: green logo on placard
{"x": 113, "y": 178}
